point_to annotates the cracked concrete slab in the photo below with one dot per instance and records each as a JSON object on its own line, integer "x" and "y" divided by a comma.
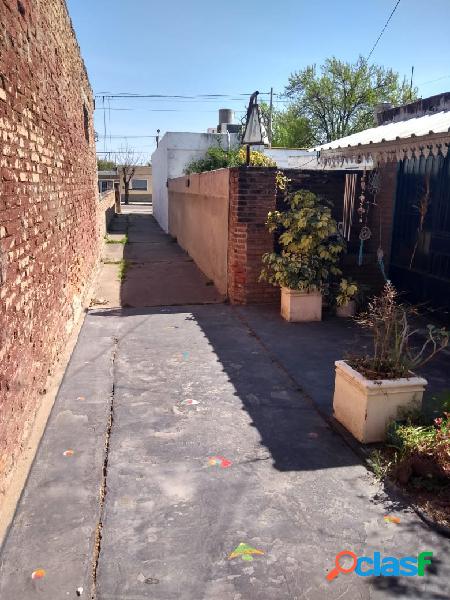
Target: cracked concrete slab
{"x": 55, "y": 522}
{"x": 158, "y": 271}
{"x": 194, "y": 441}
{"x": 171, "y": 519}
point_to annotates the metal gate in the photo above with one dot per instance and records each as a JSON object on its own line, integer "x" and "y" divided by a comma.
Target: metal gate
{"x": 420, "y": 258}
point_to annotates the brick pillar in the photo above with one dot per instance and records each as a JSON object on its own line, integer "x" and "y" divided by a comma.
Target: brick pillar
{"x": 252, "y": 197}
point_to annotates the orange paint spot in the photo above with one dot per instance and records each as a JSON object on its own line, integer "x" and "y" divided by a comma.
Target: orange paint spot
{"x": 38, "y": 574}
{"x": 68, "y": 453}
{"x": 389, "y": 519}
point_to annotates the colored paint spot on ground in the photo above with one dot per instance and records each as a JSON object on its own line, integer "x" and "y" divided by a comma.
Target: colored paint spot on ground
{"x": 185, "y": 355}
{"x": 245, "y": 551}
{"x": 390, "y": 519}
{"x": 68, "y": 453}
{"x": 81, "y": 398}
{"x": 189, "y": 402}
{"x": 38, "y": 574}
{"x": 219, "y": 461}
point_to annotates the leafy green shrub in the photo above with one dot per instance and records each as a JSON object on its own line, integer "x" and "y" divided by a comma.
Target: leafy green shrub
{"x": 346, "y": 292}
{"x": 423, "y": 445}
{"x": 218, "y": 158}
{"x": 310, "y": 246}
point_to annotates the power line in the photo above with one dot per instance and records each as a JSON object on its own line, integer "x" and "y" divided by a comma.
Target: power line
{"x": 434, "y": 80}
{"x": 175, "y": 96}
{"x": 125, "y": 137}
{"x": 166, "y": 110}
{"x": 383, "y": 30}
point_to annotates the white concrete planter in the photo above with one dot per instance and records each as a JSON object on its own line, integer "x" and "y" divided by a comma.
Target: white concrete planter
{"x": 366, "y": 407}
{"x": 301, "y": 306}
{"x": 346, "y": 310}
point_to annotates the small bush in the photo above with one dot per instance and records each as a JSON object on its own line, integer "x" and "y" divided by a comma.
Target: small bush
{"x": 310, "y": 246}
{"x": 218, "y": 158}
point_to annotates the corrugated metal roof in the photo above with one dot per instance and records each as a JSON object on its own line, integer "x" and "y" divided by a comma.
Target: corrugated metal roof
{"x": 434, "y": 123}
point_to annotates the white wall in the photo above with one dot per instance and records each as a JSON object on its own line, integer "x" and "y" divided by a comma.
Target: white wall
{"x": 175, "y": 151}
{"x": 286, "y": 158}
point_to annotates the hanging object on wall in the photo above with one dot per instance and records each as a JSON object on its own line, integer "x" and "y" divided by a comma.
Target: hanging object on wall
{"x": 374, "y": 185}
{"x": 364, "y": 234}
{"x": 362, "y": 198}
{"x": 380, "y": 259}
{"x": 349, "y": 203}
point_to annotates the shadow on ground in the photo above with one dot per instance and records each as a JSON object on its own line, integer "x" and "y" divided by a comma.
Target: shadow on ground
{"x": 156, "y": 271}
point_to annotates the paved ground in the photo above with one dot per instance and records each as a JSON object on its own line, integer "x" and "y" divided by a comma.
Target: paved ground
{"x": 308, "y": 352}
{"x": 157, "y": 271}
{"x": 138, "y": 510}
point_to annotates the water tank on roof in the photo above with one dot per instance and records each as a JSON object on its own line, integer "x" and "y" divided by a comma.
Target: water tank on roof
{"x": 226, "y": 116}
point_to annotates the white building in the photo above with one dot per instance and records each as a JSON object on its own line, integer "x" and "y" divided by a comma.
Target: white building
{"x": 175, "y": 151}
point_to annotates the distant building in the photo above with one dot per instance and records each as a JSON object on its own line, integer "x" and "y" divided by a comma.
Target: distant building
{"x": 175, "y": 151}
{"x": 140, "y": 184}
{"x": 106, "y": 180}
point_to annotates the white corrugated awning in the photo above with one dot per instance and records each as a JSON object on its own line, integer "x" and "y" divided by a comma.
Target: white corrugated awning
{"x": 417, "y": 126}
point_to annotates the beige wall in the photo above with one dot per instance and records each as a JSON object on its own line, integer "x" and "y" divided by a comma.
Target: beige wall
{"x": 140, "y": 173}
{"x": 198, "y": 218}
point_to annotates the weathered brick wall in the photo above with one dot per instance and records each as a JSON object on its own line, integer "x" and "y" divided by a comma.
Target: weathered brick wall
{"x": 49, "y": 211}
{"x": 252, "y": 197}
{"x": 106, "y": 206}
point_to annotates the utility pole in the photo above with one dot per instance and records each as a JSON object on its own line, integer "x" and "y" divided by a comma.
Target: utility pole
{"x": 270, "y": 116}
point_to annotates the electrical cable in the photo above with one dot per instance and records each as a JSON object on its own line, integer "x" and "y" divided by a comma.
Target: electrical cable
{"x": 383, "y": 30}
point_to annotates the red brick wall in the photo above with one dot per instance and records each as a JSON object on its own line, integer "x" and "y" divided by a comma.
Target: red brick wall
{"x": 252, "y": 197}
{"x": 49, "y": 211}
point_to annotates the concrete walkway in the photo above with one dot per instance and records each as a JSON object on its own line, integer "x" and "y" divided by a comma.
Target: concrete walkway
{"x": 186, "y": 440}
{"x": 156, "y": 271}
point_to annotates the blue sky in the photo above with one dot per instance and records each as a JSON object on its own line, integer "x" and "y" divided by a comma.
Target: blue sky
{"x": 235, "y": 47}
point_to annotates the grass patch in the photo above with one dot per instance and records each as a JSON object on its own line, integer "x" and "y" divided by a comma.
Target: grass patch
{"x": 123, "y": 240}
{"x": 123, "y": 268}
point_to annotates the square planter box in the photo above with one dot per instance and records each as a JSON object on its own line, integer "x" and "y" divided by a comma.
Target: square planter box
{"x": 299, "y": 306}
{"x": 346, "y": 310}
{"x": 366, "y": 407}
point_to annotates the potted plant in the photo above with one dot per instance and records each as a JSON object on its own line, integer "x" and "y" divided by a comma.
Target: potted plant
{"x": 345, "y": 298}
{"x": 370, "y": 390}
{"x": 309, "y": 250}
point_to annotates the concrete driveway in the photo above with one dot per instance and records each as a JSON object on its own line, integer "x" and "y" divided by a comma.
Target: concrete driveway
{"x": 187, "y": 441}
{"x": 181, "y": 462}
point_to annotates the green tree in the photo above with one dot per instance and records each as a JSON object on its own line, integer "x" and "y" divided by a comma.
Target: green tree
{"x": 338, "y": 98}
{"x": 105, "y": 165}
{"x": 289, "y": 128}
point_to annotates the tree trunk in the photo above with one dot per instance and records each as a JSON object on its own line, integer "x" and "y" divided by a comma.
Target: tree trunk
{"x": 127, "y": 192}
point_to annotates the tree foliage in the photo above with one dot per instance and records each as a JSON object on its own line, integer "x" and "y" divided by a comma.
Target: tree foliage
{"x": 338, "y": 98}
{"x": 218, "y": 158}
{"x": 127, "y": 161}
{"x": 105, "y": 165}
{"x": 289, "y": 128}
